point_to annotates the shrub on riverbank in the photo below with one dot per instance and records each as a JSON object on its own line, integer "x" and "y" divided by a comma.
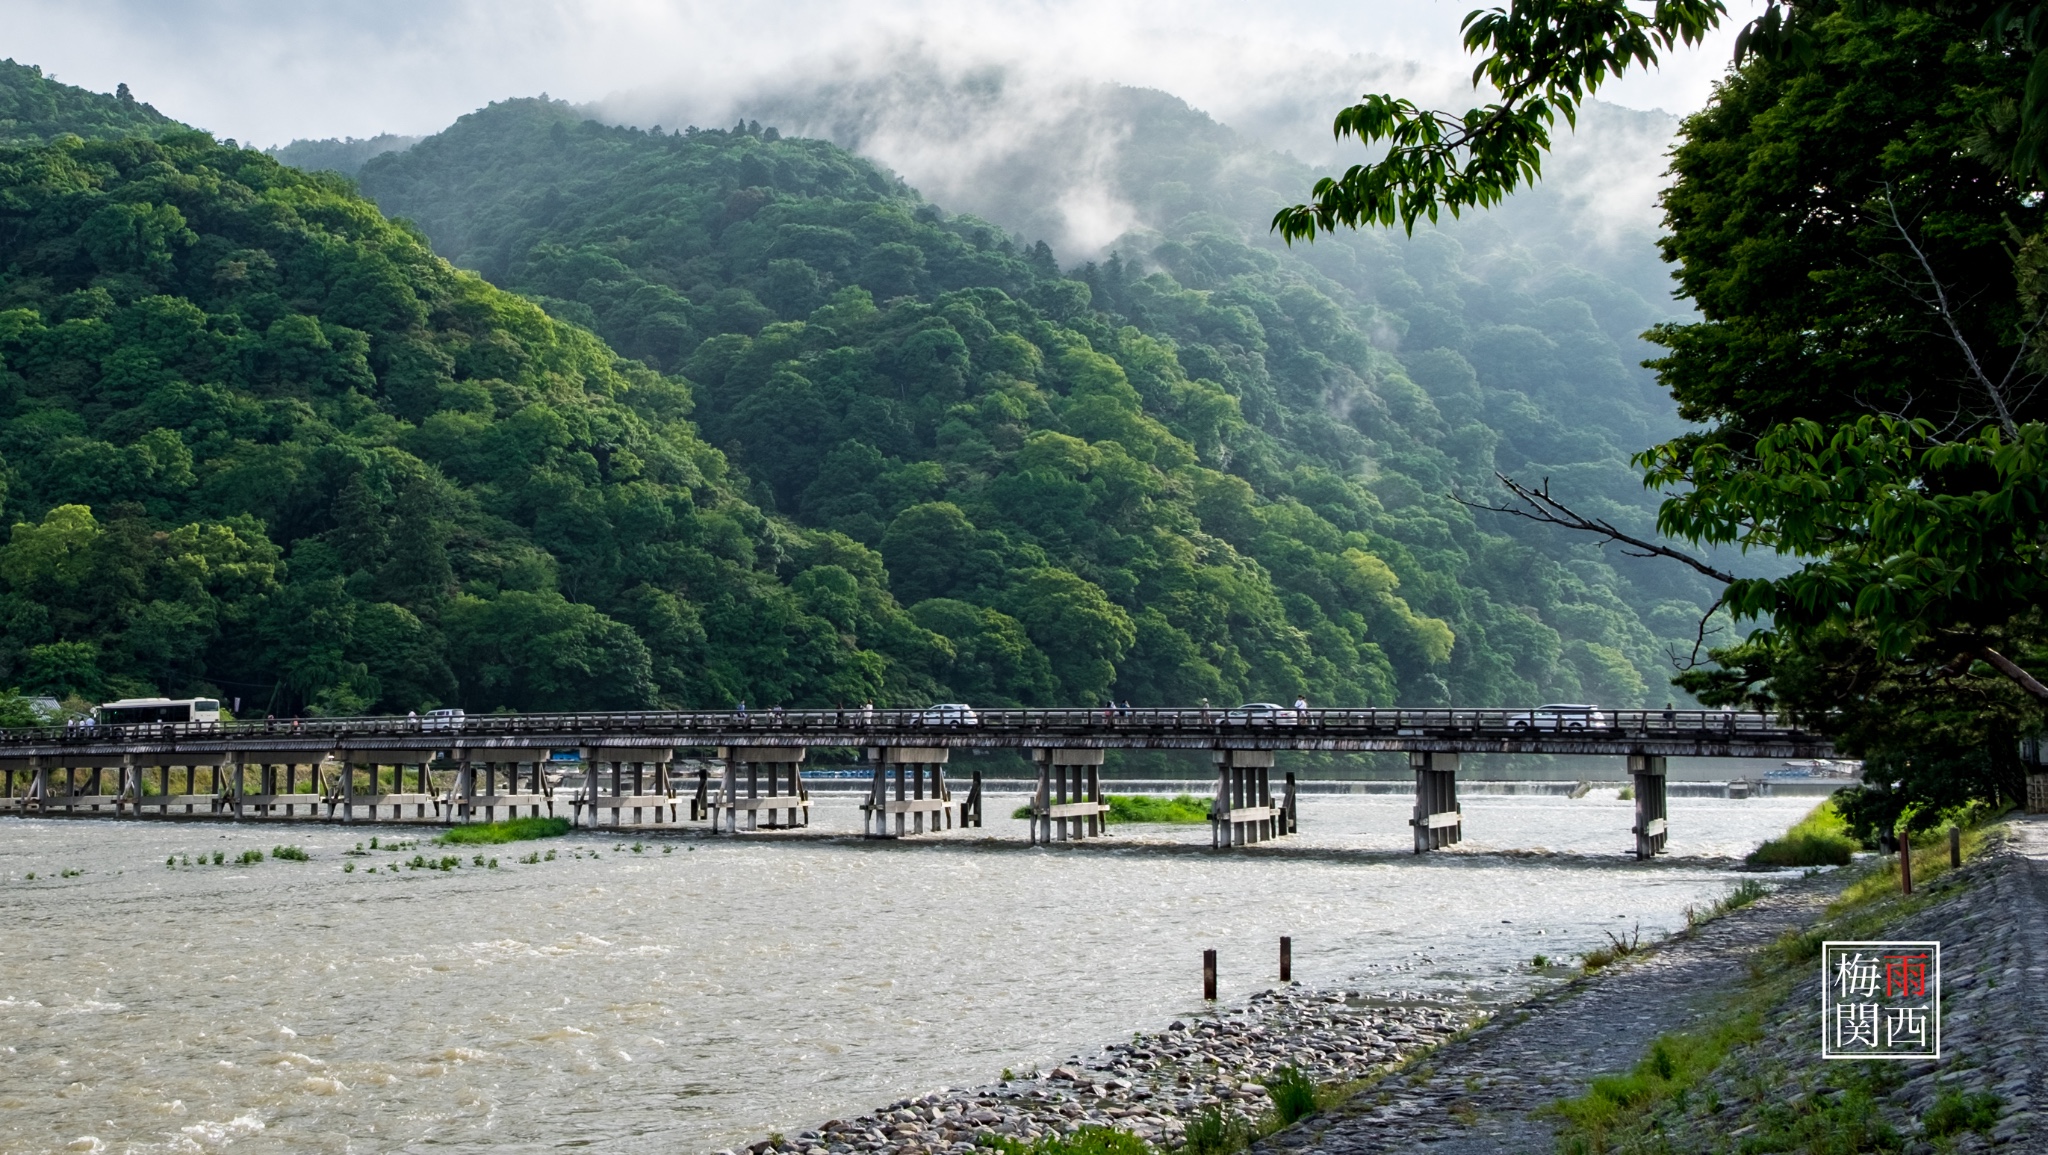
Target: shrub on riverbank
{"x": 513, "y": 830}
{"x": 1180, "y": 810}
{"x": 1821, "y": 838}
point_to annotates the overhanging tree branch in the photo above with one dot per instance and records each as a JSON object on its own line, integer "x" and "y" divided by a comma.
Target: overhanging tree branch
{"x": 1537, "y": 505}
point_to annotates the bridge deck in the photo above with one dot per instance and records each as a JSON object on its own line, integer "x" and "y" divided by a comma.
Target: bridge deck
{"x": 1696, "y": 733}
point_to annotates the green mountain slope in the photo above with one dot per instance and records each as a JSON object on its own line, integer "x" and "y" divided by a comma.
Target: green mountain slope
{"x": 344, "y": 155}
{"x": 35, "y": 108}
{"x": 260, "y": 441}
{"x": 1215, "y": 446}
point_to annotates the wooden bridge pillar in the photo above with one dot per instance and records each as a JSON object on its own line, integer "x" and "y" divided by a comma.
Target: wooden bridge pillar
{"x": 1058, "y": 814}
{"x": 277, "y": 783}
{"x": 911, "y": 765}
{"x": 505, "y": 784}
{"x": 1244, "y": 811}
{"x": 1648, "y": 772}
{"x": 398, "y": 797}
{"x": 782, "y": 766}
{"x": 1438, "y": 821}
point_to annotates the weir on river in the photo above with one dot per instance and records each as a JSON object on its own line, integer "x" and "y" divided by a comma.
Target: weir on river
{"x": 620, "y": 770}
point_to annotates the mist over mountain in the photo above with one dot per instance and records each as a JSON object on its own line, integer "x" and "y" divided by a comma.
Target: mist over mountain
{"x": 1082, "y": 163}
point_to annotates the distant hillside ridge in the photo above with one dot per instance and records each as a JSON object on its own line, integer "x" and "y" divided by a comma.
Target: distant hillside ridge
{"x": 345, "y": 155}
{"x": 35, "y": 109}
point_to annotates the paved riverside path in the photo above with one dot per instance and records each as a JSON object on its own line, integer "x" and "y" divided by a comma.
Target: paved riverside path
{"x": 1480, "y": 1091}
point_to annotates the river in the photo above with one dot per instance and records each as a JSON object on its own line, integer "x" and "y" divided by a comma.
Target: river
{"x": 701, "y": 992}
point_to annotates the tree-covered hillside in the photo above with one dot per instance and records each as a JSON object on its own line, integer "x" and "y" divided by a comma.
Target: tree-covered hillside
{"x": 260, "y": 441}
{"x": 35, "y": 108}
{"x": 344, "y": 155}
{"x": 1234, "y": 480}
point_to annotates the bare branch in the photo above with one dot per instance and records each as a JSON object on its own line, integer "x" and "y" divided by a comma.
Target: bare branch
{"x": 2011, "y": 669}
{"x": 1940, "y": 304}
{"x": 1539, "y": 506}
{"x": 1699, "y": 641}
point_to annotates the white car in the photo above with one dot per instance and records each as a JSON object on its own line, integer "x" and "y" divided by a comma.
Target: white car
{"x": 1561, "y": 716}
{"x": 441, "y": 720}
{"x": 1263, "y": 714}
{"x": 948, "y": 714}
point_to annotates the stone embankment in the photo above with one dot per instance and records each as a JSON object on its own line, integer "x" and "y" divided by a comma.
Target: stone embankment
{"x": 1153, "y": 1085}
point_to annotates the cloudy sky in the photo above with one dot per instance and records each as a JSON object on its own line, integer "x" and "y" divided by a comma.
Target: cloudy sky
{"x": 266, "y": 72}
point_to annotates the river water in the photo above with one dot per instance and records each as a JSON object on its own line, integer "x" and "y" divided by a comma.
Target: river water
{"x": 701, "y": 992}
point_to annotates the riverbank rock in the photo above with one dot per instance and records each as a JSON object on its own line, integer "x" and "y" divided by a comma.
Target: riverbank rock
{"x": 1154, "y": 1084}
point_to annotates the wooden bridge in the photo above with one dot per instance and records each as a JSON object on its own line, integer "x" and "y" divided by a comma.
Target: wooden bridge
{"x": 623, "y": 770}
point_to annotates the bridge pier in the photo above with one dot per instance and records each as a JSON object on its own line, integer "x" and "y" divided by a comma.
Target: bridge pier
{"x": 643, "y": 787}
{"x": 397, "y": 798}
{"x": 1055, "y": 814}
{"x": 783, "y": 767}
{"x": 277, "y": 783}
{"x": 910, "y": 805}
{"x": 1648, "y": 772}
{"x": 1438, "y": 821}
{"x": 489, "y": 785}
{"x": 1244, "y": 811}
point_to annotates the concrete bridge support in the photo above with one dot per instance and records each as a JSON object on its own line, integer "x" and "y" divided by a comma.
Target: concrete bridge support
{"x": 1438, "y": 821}
{"x": 623, "y": 780}
{"x": 367, "y": 768}
{"x": 1068, "y": 804}
{"x": 782, "y": 766}
{"x": 1244, "y": 811}
{"x": 507, "y": 782}
{"x": 1648, "y": 772}
{"x": 906, "y": 812}
{"x": 276, "y": 793}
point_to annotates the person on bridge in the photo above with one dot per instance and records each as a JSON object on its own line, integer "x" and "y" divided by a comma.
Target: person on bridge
{"x": 867, "y": 713}
{"x": 1301, "y": 706}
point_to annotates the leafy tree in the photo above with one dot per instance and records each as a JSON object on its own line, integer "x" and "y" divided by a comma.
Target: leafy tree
{"x": 1857, "y": 216}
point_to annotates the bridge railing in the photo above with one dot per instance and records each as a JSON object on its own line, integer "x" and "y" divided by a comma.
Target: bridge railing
{"x": 841, "y": 725}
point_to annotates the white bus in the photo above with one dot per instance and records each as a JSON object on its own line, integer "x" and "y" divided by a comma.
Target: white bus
{"x": 149, "y": 711}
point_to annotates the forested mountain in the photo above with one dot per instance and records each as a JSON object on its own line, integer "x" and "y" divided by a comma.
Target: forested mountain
{"x": 1210, "y": 447}
{"x": 344, "y": 155}
{"x": 260, "y": 440}
{"x": 35, "y": 108}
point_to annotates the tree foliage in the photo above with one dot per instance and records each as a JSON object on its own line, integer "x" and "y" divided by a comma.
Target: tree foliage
{"x": 35, "y": 108}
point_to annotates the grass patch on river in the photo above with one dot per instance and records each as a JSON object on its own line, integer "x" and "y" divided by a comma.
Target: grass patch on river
{"x": 1821, "y": 838}
{"x": 1180, "y": 810}
{"x": 513, "y": 830}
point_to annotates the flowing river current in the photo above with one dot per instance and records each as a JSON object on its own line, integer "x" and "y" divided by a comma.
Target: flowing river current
{"x": 701, "y": 992}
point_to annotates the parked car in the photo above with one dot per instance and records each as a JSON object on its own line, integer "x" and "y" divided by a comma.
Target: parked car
{"x": 948, "y": 714}
{"x": 1263, "y": 714}
{"x": 441, "y": 720}
{"x": 1561, "y": 716}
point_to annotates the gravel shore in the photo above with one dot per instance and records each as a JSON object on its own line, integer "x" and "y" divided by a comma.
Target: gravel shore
{"x": 1155, "y": 1083}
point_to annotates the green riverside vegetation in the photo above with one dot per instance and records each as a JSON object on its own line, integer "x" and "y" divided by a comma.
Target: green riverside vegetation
{"x": 1181, "y": 809}
{"x": 1821, "y": 838}
{"x": 510, "y": 830}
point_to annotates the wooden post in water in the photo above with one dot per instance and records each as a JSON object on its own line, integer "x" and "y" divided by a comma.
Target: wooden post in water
{"x": 1955, "y": 846}
{"x": 1286, "y": 959}
{"x": 1209, "y": 975}
{"x": 1905, "y": 859}
{"x": 1648, "y": 772}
